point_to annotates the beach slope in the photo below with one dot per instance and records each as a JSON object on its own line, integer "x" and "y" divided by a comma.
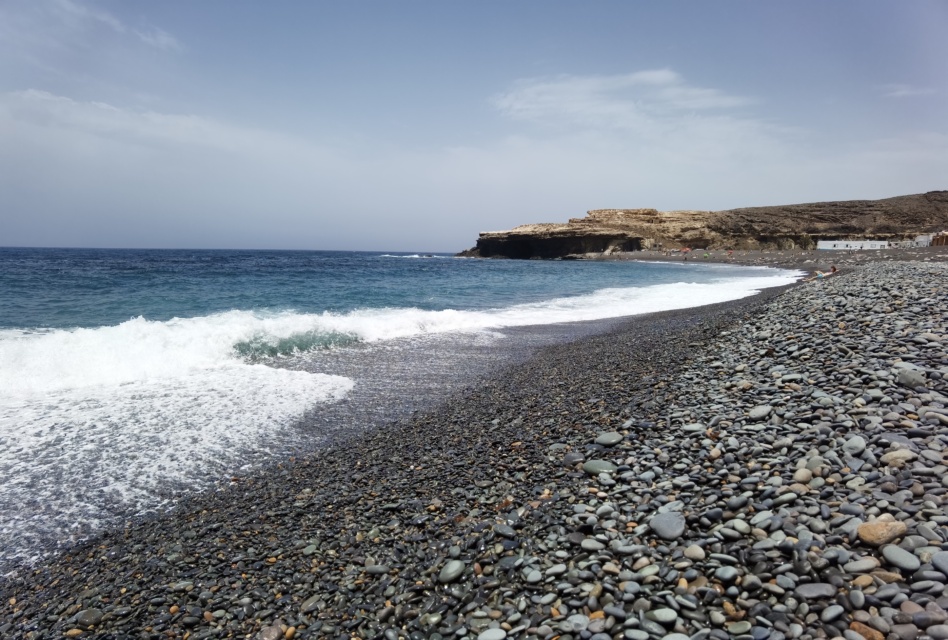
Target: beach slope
{"x": 768, "y": 468}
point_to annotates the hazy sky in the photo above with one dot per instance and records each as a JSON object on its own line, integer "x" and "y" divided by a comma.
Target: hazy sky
{"x": 414, "y": 125}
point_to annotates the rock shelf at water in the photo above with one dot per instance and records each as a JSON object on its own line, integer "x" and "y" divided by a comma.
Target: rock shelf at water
{"x": 772, "y": 468}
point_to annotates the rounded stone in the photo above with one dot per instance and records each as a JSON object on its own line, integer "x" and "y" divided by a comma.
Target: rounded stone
{"x": 595, "y": 467}
{"x": 831, "y": 613}
{"x": 662, "y": 616}
{"x": 760, "y": 412}
{"x": 855, "y": 445}
{"x": 813, "y": 590}
{"x": 576, "y": 622}
{"x": 901, "y": 558}
{"x": 694, "y": 552}
{"x": 668, "y": 526}
{"x": 492, "y": 634}
{"x": 451, "y": 571}
{"x": 609, "y": 438}
{"x": 880, "y": 532}
{"x": 737, "y": 628}
{"x": 726, "y": 574}
{"x": 591, "y": 544}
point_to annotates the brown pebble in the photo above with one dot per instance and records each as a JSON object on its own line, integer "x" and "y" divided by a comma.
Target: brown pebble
{"x": 887, "y": 576}
{"x": 863, "y": 581}
{"x": 879, "y": 532}
{"x": 866, "y": 631}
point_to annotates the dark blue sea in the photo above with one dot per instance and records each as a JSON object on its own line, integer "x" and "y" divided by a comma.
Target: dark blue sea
{"x": 130, "y": 378}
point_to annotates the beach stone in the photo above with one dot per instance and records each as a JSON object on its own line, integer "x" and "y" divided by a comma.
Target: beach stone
{"x": 451, "y": 571}
{"x": 726, "y": 574}
{"x": 831, "y": 613}
{"x": 760, "y": 412}
{"x": 492, "y": 634}
{"x": 663, "y": 616}
{"x": 864, "y": 565}
{"x": 591, "y": 544}
{"x": 802, "y": 475}
{"x": 270, "y": 633}
{"x": 938, "y": 631}
{"x": 905, "y": 631}
{"x": 694, "y": 552}
{"x": 669, "y": 525}
{"x": 609, "y": 438}
{"x": 880, "y": 532}
{"x": 901, "y": 558}
{"x": 940, "y": 561}
{"x": 89, "y": 617}
{"x": 575, "y": 622}
{"x": 911, "y": 379}
{"x": 897, "y": 458}
{"x": 866, "y": 631}
{"x": 814, "y": 590}
{"x": 739, "y": 628}
{"x": 309, "y": 605}
{"x": 595, "y": 467}
{"x": 377, "y": 569}
{"x": 855, "y": 445}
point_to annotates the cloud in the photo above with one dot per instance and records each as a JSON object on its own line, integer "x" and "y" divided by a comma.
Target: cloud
{"x": 904, "y": 90}
{"x": 160, "y": 39}
{"x": 45, "y": 110}
{"x": 63, "y": 23}
{"x": 628, "y": 101}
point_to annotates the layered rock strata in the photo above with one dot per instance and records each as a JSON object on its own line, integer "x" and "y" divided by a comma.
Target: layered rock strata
{"x": 783, "y": 227}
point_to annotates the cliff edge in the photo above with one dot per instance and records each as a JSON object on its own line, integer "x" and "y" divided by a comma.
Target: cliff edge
{"x": 784, "y": 227}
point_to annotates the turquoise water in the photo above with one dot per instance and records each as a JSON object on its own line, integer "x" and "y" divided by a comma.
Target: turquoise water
{"x": 66, "y": 288}
{"x": 130, "y": 376}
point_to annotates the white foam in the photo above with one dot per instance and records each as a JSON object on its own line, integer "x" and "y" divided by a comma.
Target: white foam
{"x": 95, "y": 422}
{"x": 99, "y": 423}
{"x": 415, "y": 256}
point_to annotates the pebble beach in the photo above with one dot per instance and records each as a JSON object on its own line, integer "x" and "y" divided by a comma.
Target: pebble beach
{"x": 773, "y": 467}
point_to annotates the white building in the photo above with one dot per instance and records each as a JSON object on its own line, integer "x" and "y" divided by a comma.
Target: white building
{"x": 851, "y": 245}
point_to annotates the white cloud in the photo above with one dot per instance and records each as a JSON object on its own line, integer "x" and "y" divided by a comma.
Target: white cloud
{"x": 63, "y": 23}
{"x": 132, "y": 127}
{"x": 160, "y": 39}
{"x": 904, "y": 90}
{"x": 629, "y": 101}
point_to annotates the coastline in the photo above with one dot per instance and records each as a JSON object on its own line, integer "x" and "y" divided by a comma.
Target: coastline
{"x": 479, "y": 516}
{"x": 807, "y": 260}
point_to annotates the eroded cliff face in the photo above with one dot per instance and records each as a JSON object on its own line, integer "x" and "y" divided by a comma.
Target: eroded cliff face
{"x": 783, "y": 227}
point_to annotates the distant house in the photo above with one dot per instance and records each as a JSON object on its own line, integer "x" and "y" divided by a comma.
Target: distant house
{"x": 922, "y": 241}
{"x": 850, "y": 245}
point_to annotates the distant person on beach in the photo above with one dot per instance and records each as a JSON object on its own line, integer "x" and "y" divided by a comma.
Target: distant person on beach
{"x": 822, "y": 274}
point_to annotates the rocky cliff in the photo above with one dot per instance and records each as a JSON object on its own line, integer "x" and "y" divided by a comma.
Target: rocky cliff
{"x": 785, "y": 227}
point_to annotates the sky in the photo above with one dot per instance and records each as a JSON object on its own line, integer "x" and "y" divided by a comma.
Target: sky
{"x": 412, "y": 126}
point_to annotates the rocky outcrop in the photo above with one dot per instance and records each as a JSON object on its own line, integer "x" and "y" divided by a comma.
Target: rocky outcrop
{"x": 784, "y": 227}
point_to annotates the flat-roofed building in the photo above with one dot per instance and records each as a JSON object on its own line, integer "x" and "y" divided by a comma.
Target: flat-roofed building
{"x": 852, "y": 245}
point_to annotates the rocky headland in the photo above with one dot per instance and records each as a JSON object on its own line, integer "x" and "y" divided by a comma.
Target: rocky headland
{"x": 798, "y": 226}
{"x": 765, "y": 469}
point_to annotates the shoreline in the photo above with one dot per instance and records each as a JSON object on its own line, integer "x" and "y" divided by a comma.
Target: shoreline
{"x": 468, "y": 518}
{"x": 795, "y": 259}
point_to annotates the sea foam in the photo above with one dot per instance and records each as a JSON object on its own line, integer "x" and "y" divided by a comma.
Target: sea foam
{"x": 99, "y": 423}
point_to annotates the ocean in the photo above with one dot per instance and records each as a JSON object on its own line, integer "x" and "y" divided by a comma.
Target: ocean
{"x": 131, "y": 379}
